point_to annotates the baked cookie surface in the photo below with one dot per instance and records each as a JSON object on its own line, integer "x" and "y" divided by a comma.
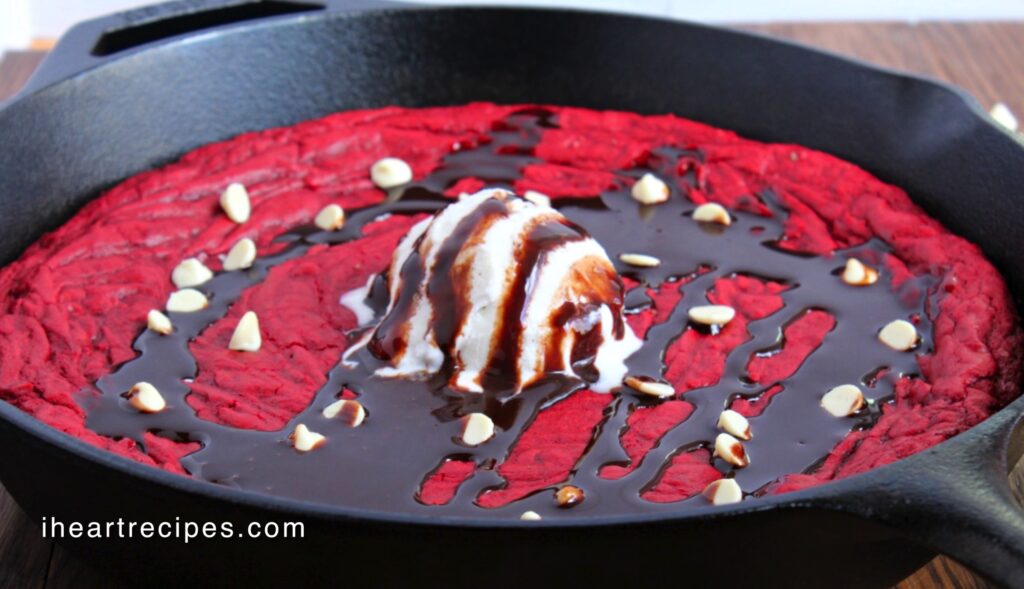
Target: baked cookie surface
{"x": 73, "y": 320}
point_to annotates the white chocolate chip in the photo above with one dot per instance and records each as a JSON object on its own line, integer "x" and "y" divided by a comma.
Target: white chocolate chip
{"x": 641, "y": 260}
{"x": 305, "y": 440}
{"x": 477, "y": 428}
{"x": 145, "y": 398}
{"x": 350, "y": 412}
{"x": 723, "y": 492}
{"x": 530, "y": 516}
{"x": 330, "y": 218}
{"x": 712, "y": 212}
{"x": 856, "y": 273}
{"x": 241, "y": 255}
{"x": 390, "y": 172}
{"x": 899, "y": 335}
{"x": 1001, "y": 114}
{"x": 843, "y": 400}
{"x": 650, "y": 190}
{"x": 650, "y": 387}
{"x": 186, "y": 300}
{"x": 733, "y": 422}
{"x": 538, "y": 198}
{"x": 711, "y": 314}
{"x": 731, "y": 450}
{"x": 246, "y": 337}
{"x": 190, "y": 272}
{"x": 158, "y": 322}
{"x": 235, "y": 202}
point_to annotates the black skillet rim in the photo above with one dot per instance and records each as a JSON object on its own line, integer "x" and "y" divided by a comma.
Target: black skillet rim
{"x": 993, "y": 432}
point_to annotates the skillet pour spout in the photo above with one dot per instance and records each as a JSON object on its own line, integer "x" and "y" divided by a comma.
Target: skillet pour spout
{"x": 189, "y": 73}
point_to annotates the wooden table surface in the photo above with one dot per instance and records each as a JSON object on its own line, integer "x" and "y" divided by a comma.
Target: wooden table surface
{"x": 985, "y": 58}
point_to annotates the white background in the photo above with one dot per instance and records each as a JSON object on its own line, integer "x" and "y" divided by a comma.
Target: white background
{"x": 23, "y": 20}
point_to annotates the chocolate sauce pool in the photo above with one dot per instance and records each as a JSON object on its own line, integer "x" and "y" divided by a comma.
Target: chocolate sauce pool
{"x": 413, "y": 427}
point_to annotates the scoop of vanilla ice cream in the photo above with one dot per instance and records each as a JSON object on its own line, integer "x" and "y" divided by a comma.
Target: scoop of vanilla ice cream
{"x": 496, "y": 287}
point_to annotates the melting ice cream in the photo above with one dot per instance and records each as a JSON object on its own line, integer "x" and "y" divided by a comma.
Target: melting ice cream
{"x": 494, "y": 288}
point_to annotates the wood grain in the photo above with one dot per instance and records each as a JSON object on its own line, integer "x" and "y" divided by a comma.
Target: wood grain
{"x": 24, "y": 554}
{"x": 985, "y": 58}
{"x": 15, "y": 68}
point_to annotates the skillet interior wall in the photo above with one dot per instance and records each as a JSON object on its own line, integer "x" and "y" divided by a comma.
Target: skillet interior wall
{"x": 68, "y": 142}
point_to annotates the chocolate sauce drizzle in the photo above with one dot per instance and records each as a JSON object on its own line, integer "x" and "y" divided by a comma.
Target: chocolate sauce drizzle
{"x": 445, "y": 290}
{"x": 414, "y": 426}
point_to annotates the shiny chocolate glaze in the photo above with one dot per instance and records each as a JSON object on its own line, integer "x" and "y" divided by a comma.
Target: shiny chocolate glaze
{"x": 412, "y": 427}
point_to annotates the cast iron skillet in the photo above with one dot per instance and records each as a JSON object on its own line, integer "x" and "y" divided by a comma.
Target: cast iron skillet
{"x": 125, "y": 93}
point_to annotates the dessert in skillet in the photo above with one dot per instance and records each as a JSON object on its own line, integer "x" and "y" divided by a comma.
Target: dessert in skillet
{"x": 507, "y": 311}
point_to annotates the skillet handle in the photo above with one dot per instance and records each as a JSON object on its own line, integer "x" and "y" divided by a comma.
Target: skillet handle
{"x": 94, "y": 42}
{"x": 957, "y": 499}
{"x": 981, "y": 526}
